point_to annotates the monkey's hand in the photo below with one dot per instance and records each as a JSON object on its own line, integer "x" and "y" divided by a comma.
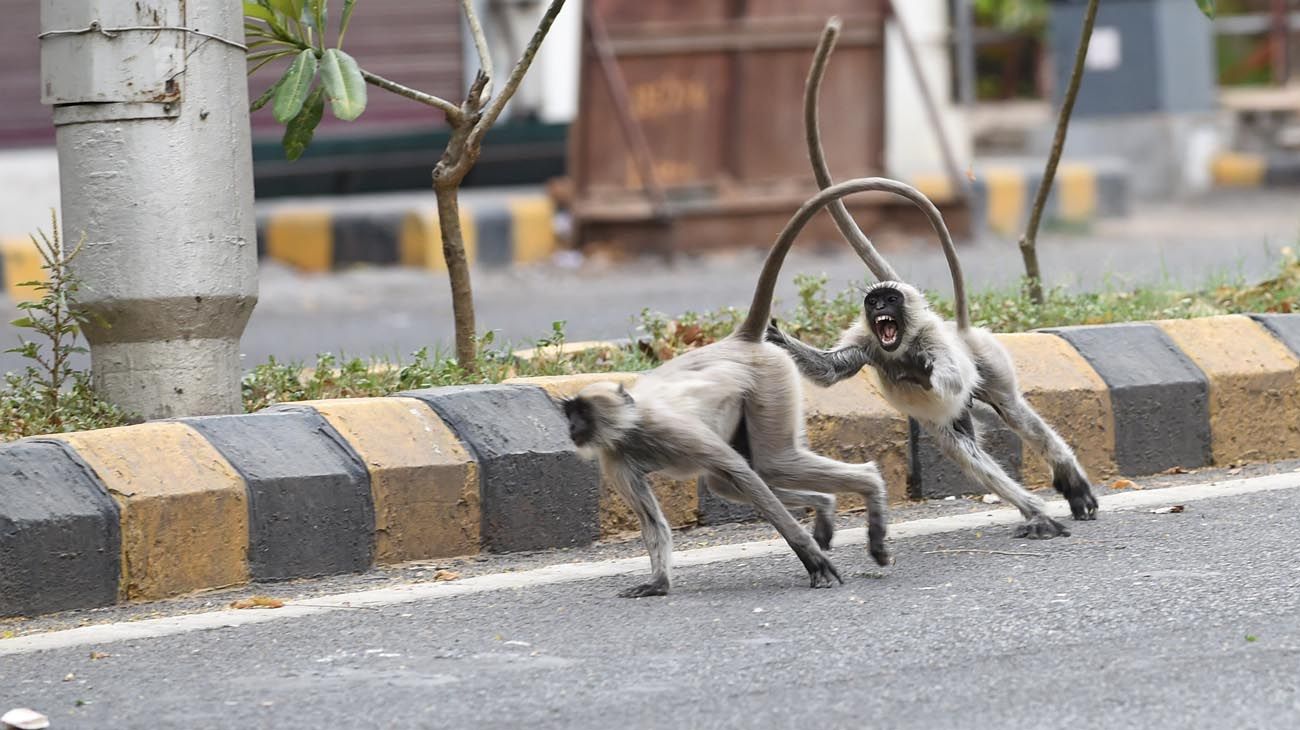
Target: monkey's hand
{"x": 919, "y": 369}
{"x": 775, "y": 335}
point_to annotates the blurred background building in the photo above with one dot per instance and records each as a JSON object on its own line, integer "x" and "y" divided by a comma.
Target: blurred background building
{"x": 712, "y": 89}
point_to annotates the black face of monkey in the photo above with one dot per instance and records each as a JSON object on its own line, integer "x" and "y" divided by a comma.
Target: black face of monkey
{"x": 884, "y": 310}
{"x": 582, "y": 424}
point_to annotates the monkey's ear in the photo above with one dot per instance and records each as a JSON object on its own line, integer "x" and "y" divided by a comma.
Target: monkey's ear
{"x": 627, "y": 397}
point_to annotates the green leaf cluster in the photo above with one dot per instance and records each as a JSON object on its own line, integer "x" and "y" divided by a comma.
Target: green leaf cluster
{"x": 297, "y": 29}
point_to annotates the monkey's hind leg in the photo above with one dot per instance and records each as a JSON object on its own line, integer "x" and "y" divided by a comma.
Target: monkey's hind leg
{"x": 959, "y": 444}
{"x": 822, "y": 505}
{"x": 801, "y": 469}
{"x": 632, "y": 486}
{"x": 1068, "y": 476}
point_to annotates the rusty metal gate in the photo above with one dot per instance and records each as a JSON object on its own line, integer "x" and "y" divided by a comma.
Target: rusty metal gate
{"x": 690, "y": 133}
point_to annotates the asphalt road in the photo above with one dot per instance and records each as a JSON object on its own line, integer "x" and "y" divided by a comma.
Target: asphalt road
{"x": 392, "y": 312}
{"x": 1139, "y": 620}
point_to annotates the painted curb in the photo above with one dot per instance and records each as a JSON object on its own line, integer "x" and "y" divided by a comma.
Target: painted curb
{"x": 516, "y": 230}
{"x": 157, "y": 509}
{"x": 183, "y": 508}
{"x": 1081, "y": 192}
{"x": 423, "y": 481}
{"x": 1246, "y": 170}
{"x": 20, "y": 261}
{"x": 1159, "y": 397}
{"x": 534, "y": 491}
{"x": 1285, "y": 327}
{"x": 309, "y": 504}
{"x": 1254, "y": 386}
{"x": 59, "y": 540}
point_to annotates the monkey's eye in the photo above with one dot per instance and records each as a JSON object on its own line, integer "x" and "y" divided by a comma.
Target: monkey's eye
{"x": 893, "y": 299}
{"x": 871, "y": 301}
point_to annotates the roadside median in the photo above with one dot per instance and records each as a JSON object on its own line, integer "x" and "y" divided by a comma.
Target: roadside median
{"x": 324, "y": 487}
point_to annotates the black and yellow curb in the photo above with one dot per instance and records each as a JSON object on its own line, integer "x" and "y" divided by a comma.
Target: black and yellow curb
{"x": 304, "y": 489}
{"x": 516, "y": 230}
{"x": 19, "y": 262}
{"x": 1004, "y": 192}
{"x": 1248, "y": 170}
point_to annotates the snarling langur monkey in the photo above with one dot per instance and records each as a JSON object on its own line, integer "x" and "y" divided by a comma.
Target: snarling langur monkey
{"x": 934, "y": 370}
{"x": 732, "y": 412}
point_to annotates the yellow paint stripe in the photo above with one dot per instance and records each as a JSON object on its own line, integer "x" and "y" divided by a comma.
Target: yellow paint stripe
{"x": 303, "y": 238}
{"x": 1006, "y": 199}
{"x": 936, "y": 187}
{"x": 421, "y": 239}
{"x": 22, "y": 262}
{"x": 533, "y": 229}
{"x": 1238, "y": 170}
{"x": 184, "y": 508}
{"x": 1076, "y": 192}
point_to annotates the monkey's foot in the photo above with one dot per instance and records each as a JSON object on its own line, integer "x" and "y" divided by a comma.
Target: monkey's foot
{"x": 1076, "y": 490}
{"x": 881, "y": 554}
{"x": 821, "y": 571}
{"x": 657, "y": 587}
{"x": 823, "y": 530}
{"x": 1041, "y": 527}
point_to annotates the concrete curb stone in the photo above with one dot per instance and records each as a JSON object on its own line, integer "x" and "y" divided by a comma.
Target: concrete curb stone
{"x": 60, "y": 544}
{"x": 535, "y": 492}
{"x": 87, "y": 519}
{"x": 1159, "y": 397}
{"x": 310, "y": 509}
{"x": 1254, "y": 386}
{"x": 424, "y": 483}
{"x": 183, "y": 507}
{"x": 1285, "y": 327}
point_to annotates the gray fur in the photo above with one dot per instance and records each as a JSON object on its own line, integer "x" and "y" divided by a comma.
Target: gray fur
{"x": 933, "y": 376}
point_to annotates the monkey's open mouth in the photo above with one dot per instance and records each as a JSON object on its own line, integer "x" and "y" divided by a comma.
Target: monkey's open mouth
{"x": 887, "y": 329}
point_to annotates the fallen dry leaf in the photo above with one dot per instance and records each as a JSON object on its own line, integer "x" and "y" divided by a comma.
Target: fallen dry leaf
{"x": 258, "y": 602}
{"x": 10, "y": 634}
{"x": 1124, "y": 484}
{"x": 70, "y": 677}
{"x": 1174, "y": 470}
{"x": 95, "y": 655}
{"x": 446, "y": 575}
{"x": 1175, "y": 509}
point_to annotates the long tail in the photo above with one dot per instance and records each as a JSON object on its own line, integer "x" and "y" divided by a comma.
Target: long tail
{"x": 848, "y": 227}
{"x": 760, "y": 310}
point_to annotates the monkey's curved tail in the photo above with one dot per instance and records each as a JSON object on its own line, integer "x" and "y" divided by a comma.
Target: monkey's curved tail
{"x": 848, "y": 227}
{"x": 760, "y": 309}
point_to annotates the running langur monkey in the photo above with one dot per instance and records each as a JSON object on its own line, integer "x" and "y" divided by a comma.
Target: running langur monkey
{"x": 732, "y": 412}
{"x": 934, "y": 370}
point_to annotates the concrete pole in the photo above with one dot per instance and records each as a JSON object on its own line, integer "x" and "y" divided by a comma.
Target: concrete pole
{"x": 155, "y": 167}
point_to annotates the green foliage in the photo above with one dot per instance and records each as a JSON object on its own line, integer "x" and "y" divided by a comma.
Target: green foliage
{"x": 49, "y": 395}
{"x": 297, "y": 28}
{"x": 299, "y": 131}
{"x": 1207, "y": 7}
{"x": 294, "y": 86}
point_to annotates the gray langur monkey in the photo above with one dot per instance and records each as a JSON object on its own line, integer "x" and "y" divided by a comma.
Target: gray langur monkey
{"x": 933, "y": 370}
{"x": 732, "y": 412}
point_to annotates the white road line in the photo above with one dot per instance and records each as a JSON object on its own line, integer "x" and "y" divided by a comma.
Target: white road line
{"x": 572, "y": 572}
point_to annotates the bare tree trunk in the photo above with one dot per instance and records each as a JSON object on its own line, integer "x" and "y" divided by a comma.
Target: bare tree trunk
{"x": 462, "y": 292}
{"x": 1028, "y": 242}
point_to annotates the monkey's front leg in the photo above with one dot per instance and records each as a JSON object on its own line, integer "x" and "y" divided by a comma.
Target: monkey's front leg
{"x": 823, "y": 367}
{"x": 632, "y": 486}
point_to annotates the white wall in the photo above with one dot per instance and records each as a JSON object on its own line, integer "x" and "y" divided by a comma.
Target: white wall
{"x": 911, "y": 147}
